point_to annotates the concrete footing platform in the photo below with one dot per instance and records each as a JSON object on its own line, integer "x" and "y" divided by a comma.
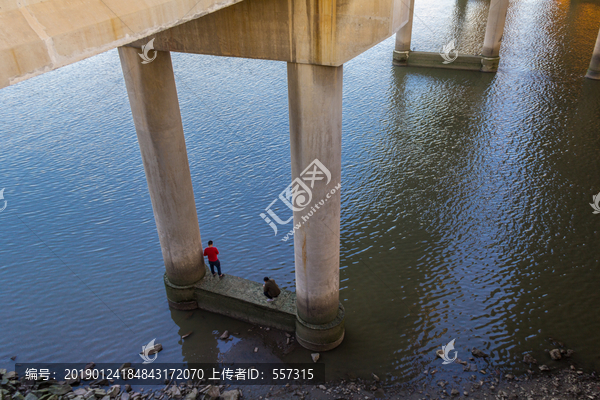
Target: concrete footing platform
{"x": 235, "y": 297}
{"x": 435, "y": 60}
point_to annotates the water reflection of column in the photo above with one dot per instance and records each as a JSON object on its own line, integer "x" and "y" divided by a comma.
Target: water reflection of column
{"x": 315, "y": 102}
{"x": 493, "y": 35}
{"x": 155, "y": 109}
{"x": 404, "y": 34}
{"x": 594, "y": 69}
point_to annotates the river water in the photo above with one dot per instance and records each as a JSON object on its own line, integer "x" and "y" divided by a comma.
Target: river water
{"x": 465, "y": 201}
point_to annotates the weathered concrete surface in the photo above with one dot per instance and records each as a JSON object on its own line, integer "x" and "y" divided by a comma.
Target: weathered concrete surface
{"x": 594, "y": 69}
{"x": 434, "y": 60}
{"x": 38, "y": 36}
{"x": 323, "y": 32}
{"x": 315, "y": 101}
{"x": 244, "y": 300}
{"x": 155, "y": 109}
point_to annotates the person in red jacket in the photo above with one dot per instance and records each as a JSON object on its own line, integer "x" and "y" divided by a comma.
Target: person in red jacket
{"x": 211, "y": 252}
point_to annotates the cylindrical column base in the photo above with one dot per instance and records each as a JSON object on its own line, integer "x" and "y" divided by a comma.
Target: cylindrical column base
{"x": 401, "y": 57}
{"x": 180, "y": 297}
{"x": 591, "y": 74}
{"x": 321, "y": 337}
{"x": 489, "y": 64}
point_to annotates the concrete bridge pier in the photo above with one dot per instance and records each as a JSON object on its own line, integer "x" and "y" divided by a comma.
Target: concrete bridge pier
{"x": 155, "y": 109}
{"x": 404, "y": 34}
{"x": 315, "y": 101}
{"x": 593, "y": 71}
{"x": 493, "y": 35}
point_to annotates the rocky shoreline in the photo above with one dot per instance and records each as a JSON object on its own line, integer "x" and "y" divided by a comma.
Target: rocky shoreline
{"x": 563, "y": 384}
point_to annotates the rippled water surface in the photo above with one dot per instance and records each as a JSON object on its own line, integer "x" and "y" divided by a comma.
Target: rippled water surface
{"x": 465, "y": 200}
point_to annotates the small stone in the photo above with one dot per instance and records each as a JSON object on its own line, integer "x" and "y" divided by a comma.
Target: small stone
{"x": 439, "y": 353}
{"x": 231, "y": 395}
{"x": 482, "y": 372}
{"x": 256, "y": 349}
{"x": 192, "y": 395}
{"x": 509, "y": 377}
{"x": 315, "y": 357}
{"x": 128, "y": 388}
{"x": 555, "y": 354}
{"x": 375, "y": 377}
{"x": 113, "y": 391}
{"x": 569, "y": 353}
{"x": 579, "y": 372}
{"x": 492, "y": 388}
{"x": 478, "y": 353}
{"x": 287, "y": 335}
{"x": 13, "y": 358}
{"x": 573, "y": 367}
{"x": 465, "y": 393}
{"x": 267, "y": 329}
{"x": 322, "y": 387}
{"x": 544, "y": 368}
{"x": 31, "y": 396}
{"x": 80, "y": 392}
{"x": 60, "y": 390}
{"x": 454, "y": 392}
{"x": 426, "y": 372}
{"x": 502, "y": 393}
{"x": 212, "y": 393}
{"x": 224, "y": 336}
{"x": 287, "y": 341}
{"x": 528, "y": 358}
{"x": 186, "y": 335}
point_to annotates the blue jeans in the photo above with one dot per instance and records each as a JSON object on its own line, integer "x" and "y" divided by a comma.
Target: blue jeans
{"x": 214, "y": 264}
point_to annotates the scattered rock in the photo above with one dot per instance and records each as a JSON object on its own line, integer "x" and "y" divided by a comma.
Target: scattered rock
{"x": 224, "y": 336}
{"x": 13, "y": 358}
{"x": 113, "y": 391}
{"x": 509, "y": 377}
{"x": 544, "y": 368}
{"x": 128, "y": 388}
{"x": 212, "y": 393}
{"x": 315, "y": 357}
{"x": 231, "y": 395}
{"x": 465, "y": 393}
{"x": 267, "y": 329}
{"x": 569, "y": 353}
{"x": 287, "y": 335}
{"x": 60, "y": 390}
{"x": 322, "y": 387}
{"x": 528, "y": 358}
{"x": 454, "y": 392}
{"x": 256, "y": 349}
{"x": 155, "y": 349}
{"x": 192, "y": 395}
{"x": 478, "y": 353}
{"x": 31, "y": 396}
{"x": 80, "y": 392}
{"x": 375, "y": 377}
{"x": 439, "y": 353}
{"x": 186, "y": 335}
{"x": 555, "y": 354}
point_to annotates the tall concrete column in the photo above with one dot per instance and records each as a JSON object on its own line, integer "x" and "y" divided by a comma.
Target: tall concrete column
{"x": 404, "y": 34}
{"x": 594, "y": 69}
{"x": 315, "y": 101}
{"x": 493, "y": 35}
{"x": 155, "y": 108}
